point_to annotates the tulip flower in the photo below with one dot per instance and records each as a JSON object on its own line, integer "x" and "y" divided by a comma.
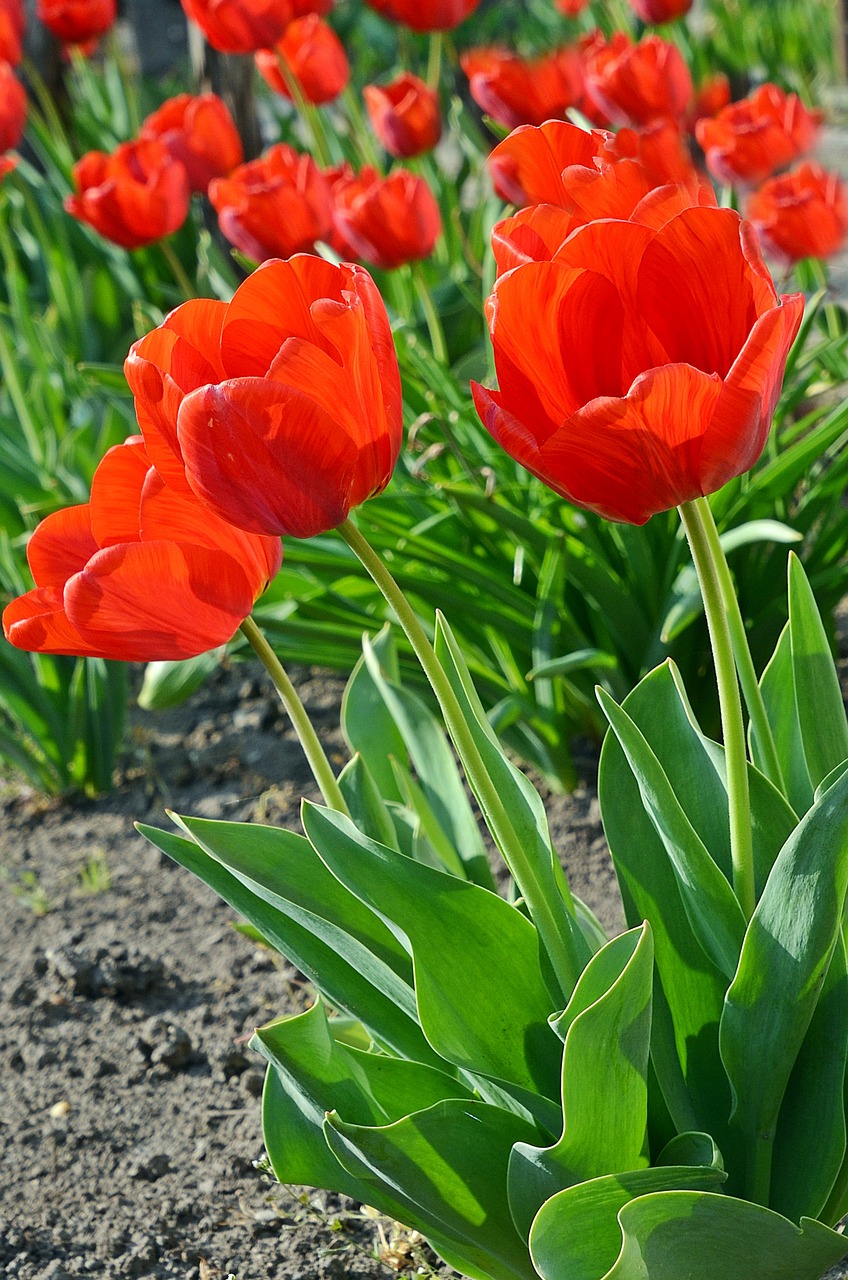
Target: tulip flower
{"x": 656, "y": 11}
{"x": 515, "y": 90}
{"x": 638, "y": 83}
{"x": 386, "y": 221}
{"x": 134, "y": 196}
{"x": 139, "y": 573}
{"x": 404, "y": 115}
{"x": 752, "y": 139}
{"x": 571, "y": 8}
{"x": 425, "y": 15}
{"x": 801, "y": 214}
{"x": 13, "y": 108}
{"x": 281, "y": 409}
{"x": 274, "y": 206}
{"x": 12, "y": 28}
{"x": 240, "y": 26}
{"x": 640, "y": 366}
{"x": 314, "y": 57}
{"x": 200, "y": 133}
{"x": 77, "y": 21}
{"x": 713, "y": 94}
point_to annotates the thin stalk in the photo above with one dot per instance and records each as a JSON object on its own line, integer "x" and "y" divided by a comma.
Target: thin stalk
{"x": 551, "y": 932}
{"x": 177, "y": 270}
{"x": 431, "y": 315}
{"x": 434, "y": 60}
{"x": 742, "y": 652}
{"x": 730, "y": 703}
{"x": 307, "y": 113}
{"x": 303, "y": 727}
{"x": 360, "y": 130}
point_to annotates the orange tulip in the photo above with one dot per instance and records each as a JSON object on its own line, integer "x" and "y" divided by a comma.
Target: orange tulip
{"x": 752, "y": 139}
{"x": 13, "y": 108}
{"x": 386, "y": 221}
{"x": 404, "y": 115}
{"x": 801, "y": 214}
{"x": 200, "y": 133}
{"x": 77, "y": 21}
{"x": 712, "y": 96}
{"x": 571, "y": 8}
{"x": 314, "y": 57}
{"x": 139, "y": 573}
{"x": 425, "y": 15}
{"x": 638, "y": 83}
{"x": 274, "y": 206}
{"x": 281, "y": 409}
{"x": 240, "y": 26}
{"x": 134, "y": 196}
{"x": 515, "y": 91}
{"x": 656, "y": 11}
{"x": 12, "y": 28}
{"x": 640, "y": 366}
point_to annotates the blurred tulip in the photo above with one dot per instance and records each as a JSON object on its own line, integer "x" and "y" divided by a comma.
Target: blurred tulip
{"x": 13, "y": 108}
{"x": 7, "y": 164}
{"x": 638, "y": 83}
{"x": 240, "y": 26}
{"x": 282, "y": 409}
{"x": 275, "y": 206}
{"x": 571, "y": 8}
{"x": 750, "y": 140}
{"x": 425, "y": 15}
{"x": 134, "y": 196}
{"x": 639, "y": 368}
{"x": 12, "y": 28}
{"x": 712, "y": 95}
{"x": 200, "y": 133}
{"x": 77, "y": 21}
{"x": 140, "y": 573}
{"x": 801, "y": 214}
{"x": 386, "y": 221}
{"x": 404, "y": 115}
{"x": 515, "y": 91}
{"x": 314, "y": 57}
{"x": 657, "y": 11}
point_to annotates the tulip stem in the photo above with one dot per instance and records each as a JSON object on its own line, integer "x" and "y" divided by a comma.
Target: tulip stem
{"x": 360, "y": 130}
{"x": 431, "y": 315}
{"x": 303, "y": 727}
{"x": 307, "y": 112}
{"x": 730, "y": 703}
{"x": 545, "y": 910}
{"x": 177, "y": 270}
{"x": 742, "y": 652}
{"x": 434, "y": 60}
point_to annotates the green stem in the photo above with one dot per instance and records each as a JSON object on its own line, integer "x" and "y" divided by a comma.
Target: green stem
{"x": 732, "y": 723}
{"x": 307, "y": 113}
{"x": 742, "y": 653}
{"x": 177, "y": 270}
{"x": 552, "y": 932}
{"x": 360, "y": 130}
{"x": 431, "y": 315}
{"x": 434, "y": 60}
{"x": 303, "y": 727}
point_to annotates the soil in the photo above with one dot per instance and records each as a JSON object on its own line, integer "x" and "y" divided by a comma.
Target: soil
{"x": 129, "y": 1102}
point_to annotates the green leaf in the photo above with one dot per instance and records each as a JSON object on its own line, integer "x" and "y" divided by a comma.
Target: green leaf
{"x": 778, "y": 688}
{"x": 366, "y": 722}
{"x": 691, "y": 1148}
{"x": 167, "y": 684}
{"x": 821, "y": 712}
{"x": 459, "y": 935}
{"x": 443, "y": 1171}
{"x": 607, "y": 1029}
{"x": 579, "y": 660}
{"x": 367, "y": 807}
{"x": 783, "y": 965}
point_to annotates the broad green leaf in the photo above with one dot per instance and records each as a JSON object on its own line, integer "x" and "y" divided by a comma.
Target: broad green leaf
{"x": 367, "y": 807}
{"x": 312, "y": 1073}
{"x": 691, "y": 1148}
{"x": 167, "y": 684}
{"x": 607, "y": 1031}
{"x": 460, "y": 936}
{"x": 778, "y": 688}
{"x": 366, "y": 722}
{"x": 785, "y": 957}
{"x": 821, "y": 712}
{"x": 443, "y": 1172}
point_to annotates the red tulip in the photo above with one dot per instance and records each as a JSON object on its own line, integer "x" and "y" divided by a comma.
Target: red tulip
{"x": 200, "y": 133}
{"x": 386, "y": 221}
{"x": 801, "y": 214}
{"x": 639, "y": 367}
{"x": 712, "y": 95}
{"x": 134, "y": 196}
{"x": 274, "y": 206}
{"x": 425, "y": 15}
{"x": 515, "y": 91}
{"x": 314, "y": 57}
{"x": 527, "y": 167}
{"x": 7, "y": 164}
{"x": 404, "y": 115}
{"x": 752, "y": 139}
{"x": 77, "y": 21}
{"x": 638, "y": 83}
{"x": 282, "y": 409}
{"x": 13, "y": 108}
{"x": 139, "y": 573}
{"x": 571, "y": 8}
{"x": 240, "y": 26}
{"x": 656, "y": 11}
{"x": 12, "y": 28}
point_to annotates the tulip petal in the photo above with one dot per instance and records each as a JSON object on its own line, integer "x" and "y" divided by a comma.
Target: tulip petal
{"x": 270, "y": 306}
{"x": 533, "y": 235}
{"x": 37, "y": 622}
{"x": 116, "y": 493}
{"x": 61, "y": 545}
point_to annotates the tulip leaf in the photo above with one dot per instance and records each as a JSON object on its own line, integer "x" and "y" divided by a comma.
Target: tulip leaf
{"x": 607, "y": 1029}
{"x": 168, "y": 684}
{"x": 821, "y": 711}
{"x": 784, "y": 962}
{"x": 443, "y": 1171}
{"x": 778, "y": 688}
{"x": 340, "y": 965}
{"x": 691, "y": 1148}
{"x": 460, "y": 935}
{"x": 311, "y": 1073}
{"x": 367, "y": 723}
{"x": 367, "y": 807}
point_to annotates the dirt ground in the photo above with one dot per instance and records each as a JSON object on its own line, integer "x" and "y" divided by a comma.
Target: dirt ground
{"x": 129, "y": 1102}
